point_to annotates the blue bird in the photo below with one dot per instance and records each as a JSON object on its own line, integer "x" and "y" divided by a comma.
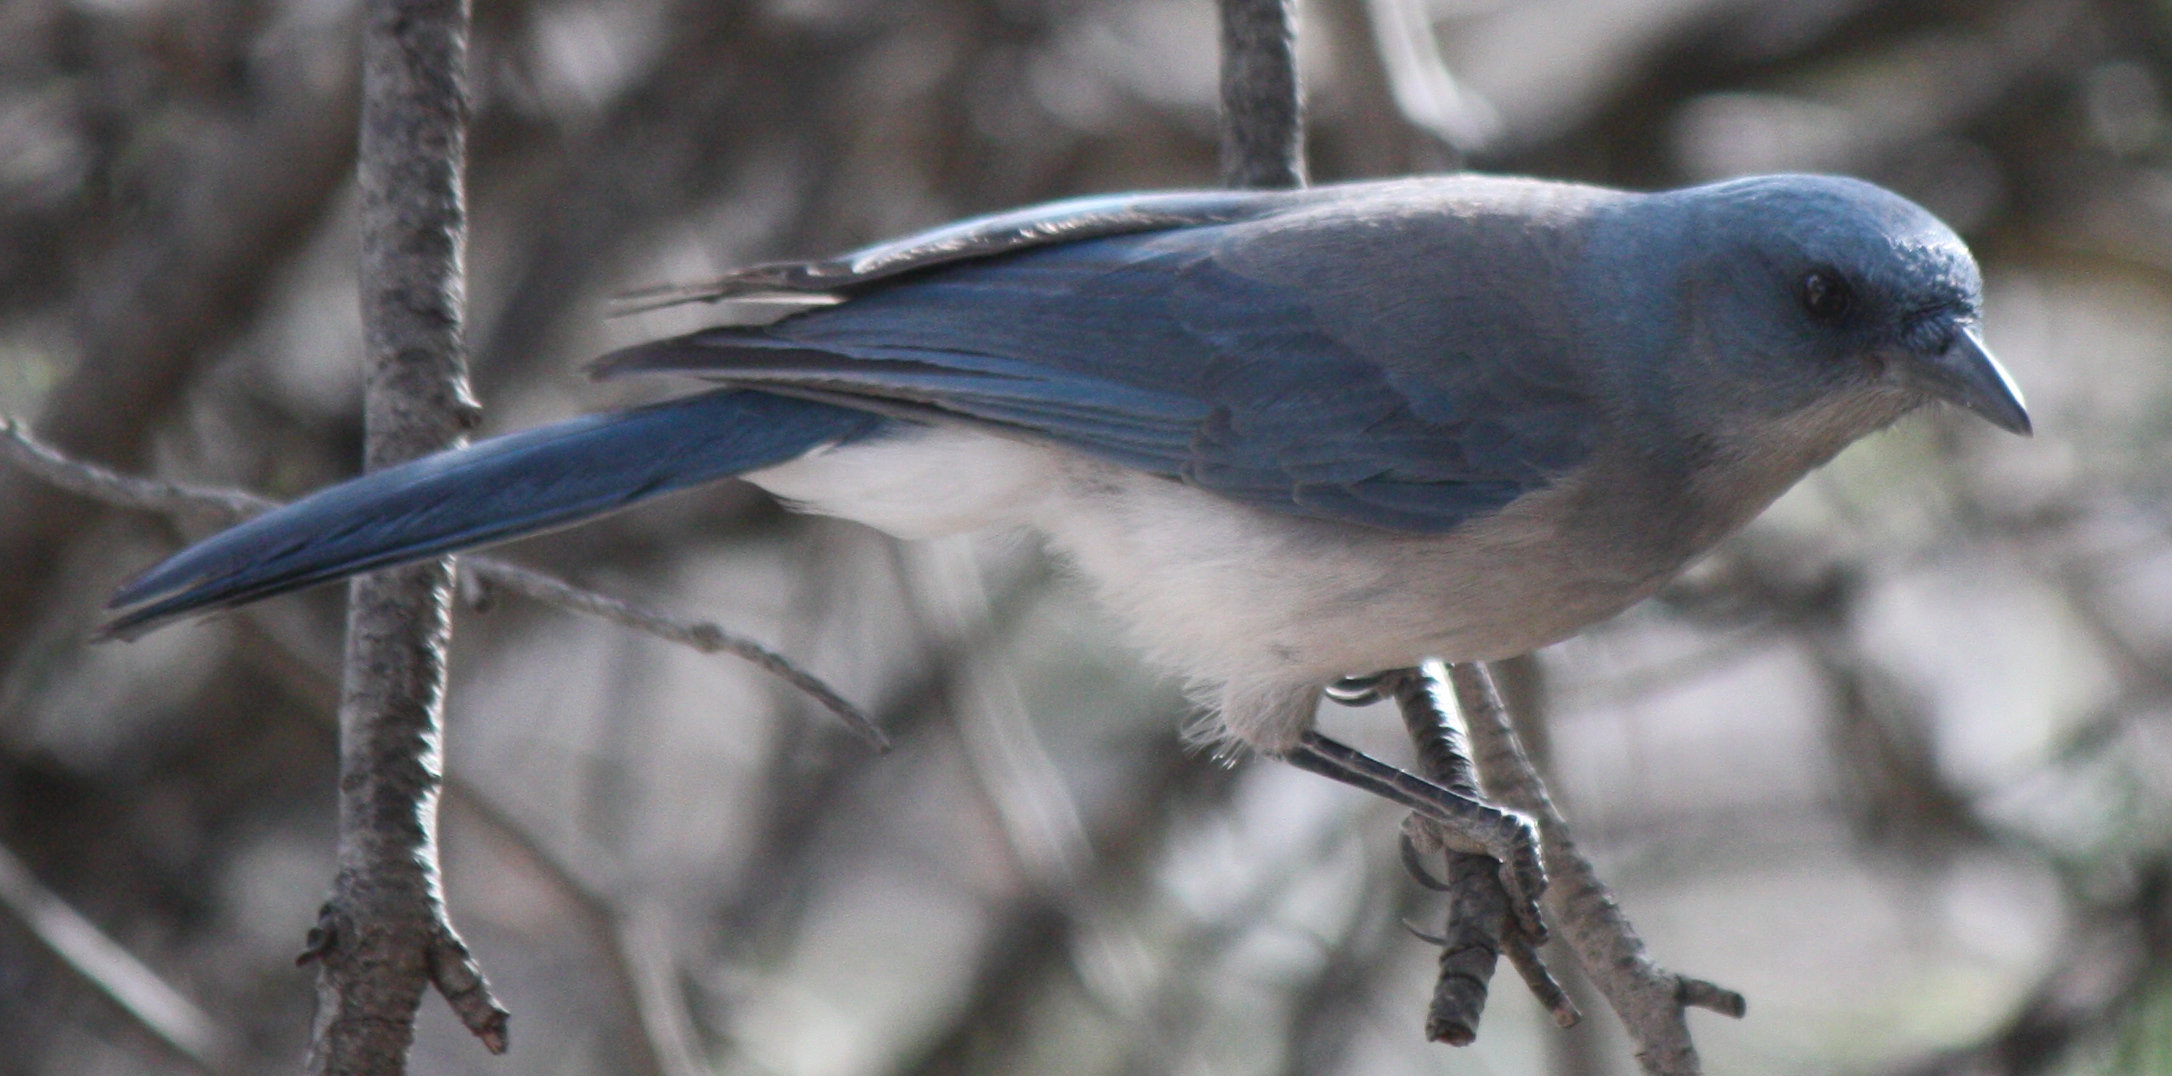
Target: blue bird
{"x": 1286, "y": 436}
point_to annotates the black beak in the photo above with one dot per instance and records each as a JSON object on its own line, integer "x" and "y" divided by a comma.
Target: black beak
{"x": 1966, "y": 375}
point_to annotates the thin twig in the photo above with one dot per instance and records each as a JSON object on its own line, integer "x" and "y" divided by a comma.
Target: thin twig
{"x": 101, "y": 962}
{"x": 150, "y": 494}
{"x": 1650, "y": 1000}
{"x": 108, "y": 486}
{"x": 700, "y": 635}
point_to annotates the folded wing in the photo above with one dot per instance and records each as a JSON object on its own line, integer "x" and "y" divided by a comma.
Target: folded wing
{"x": 1152, "y": 351}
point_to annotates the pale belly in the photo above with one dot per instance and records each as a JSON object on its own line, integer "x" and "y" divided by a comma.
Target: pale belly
{"x": 1241, "y": 601}
{"x": 1229, "y": 591}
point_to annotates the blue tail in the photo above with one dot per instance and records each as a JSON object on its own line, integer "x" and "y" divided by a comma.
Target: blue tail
{"x": 497, "y": 490}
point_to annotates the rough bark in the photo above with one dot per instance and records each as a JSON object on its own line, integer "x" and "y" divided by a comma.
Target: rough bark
{"x": 1263, "y": 124}
{"x": 383, "y": 936}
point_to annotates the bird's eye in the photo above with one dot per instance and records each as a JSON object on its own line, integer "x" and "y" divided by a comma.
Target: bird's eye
{"x": 1826, "y": 295}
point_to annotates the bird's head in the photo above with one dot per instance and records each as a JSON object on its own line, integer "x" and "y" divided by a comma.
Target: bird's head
{"x": 1800, "y": 290}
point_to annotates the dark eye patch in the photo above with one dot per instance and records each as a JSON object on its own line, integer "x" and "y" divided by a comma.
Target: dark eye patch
{"x": 1826, "y": 295}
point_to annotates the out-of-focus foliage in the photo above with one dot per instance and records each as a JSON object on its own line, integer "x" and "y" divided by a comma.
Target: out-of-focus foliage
{"x": 1897, "y": 763}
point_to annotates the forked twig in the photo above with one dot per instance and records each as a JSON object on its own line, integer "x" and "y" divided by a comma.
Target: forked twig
{"x": 1651, "y": 1001}
{"x": 1479, "y": 929}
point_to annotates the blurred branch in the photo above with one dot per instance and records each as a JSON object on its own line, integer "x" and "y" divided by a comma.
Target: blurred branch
{"x": 1630, "y": 686}
{"x": 150, "y": 494}
{"x": 1325, "y": 1015}
{"x": 102, "y": 963}
{"x": 1263, "y": 125}
{"x": 1361, "y": 128}
{"x": 1650, "y": 1000}
{"x": 1877, "y": 732}
{"x": 2117, "y": 959}
{"x": 700, "y": 635}
{"x": 1016, "y": 777}
{"x": 1004, "y": 752}
{"x": 1034, "y": 936}
{"x": 161, "y": 303}
{"x": 737, "y": 91}
{"x": 1425, "y": 92}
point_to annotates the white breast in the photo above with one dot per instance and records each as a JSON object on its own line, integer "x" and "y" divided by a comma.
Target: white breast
{"x": 1256, "y": 609}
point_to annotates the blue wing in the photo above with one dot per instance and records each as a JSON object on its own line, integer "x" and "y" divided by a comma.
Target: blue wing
{"x": 1154, "y": 351}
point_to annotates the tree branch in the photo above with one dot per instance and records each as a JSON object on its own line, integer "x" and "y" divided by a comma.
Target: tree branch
{"x": 1650, "y": 1000}
{"x": 1263, "y": 124}
{"x": 1479, "y": 927}
{"x": 101, "y": 961}
{"x": 384, "y": 934}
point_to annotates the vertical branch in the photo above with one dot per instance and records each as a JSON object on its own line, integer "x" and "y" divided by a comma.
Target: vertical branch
{"x": 383, "y": 936}
{"x": 1651, "y": 1001}
{"x": 1479, "y": 927}
{"x": 1263, "y": 124}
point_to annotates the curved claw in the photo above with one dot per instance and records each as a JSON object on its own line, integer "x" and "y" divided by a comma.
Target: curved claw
{"x": 1415, "y": 932}
{"x": 1356, "y": 690}
{"x": 1414, "y": 862}
{"x": 1505, "y": 835}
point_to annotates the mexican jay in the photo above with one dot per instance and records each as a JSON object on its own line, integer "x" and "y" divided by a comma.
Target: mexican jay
{"x": 1286, "y": 436}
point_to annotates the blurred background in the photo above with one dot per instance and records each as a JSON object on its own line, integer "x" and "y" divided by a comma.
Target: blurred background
{"x": 1896, "y": 763}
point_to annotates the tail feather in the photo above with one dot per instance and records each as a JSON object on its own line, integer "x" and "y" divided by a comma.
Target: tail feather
{"x": 498, "y": 490}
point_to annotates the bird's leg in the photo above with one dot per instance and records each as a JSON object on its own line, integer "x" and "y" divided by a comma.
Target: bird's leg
{"x": 1466, "y": 825}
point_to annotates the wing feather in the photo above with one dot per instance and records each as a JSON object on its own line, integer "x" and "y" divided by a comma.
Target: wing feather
{"x": 1156, "y": 351}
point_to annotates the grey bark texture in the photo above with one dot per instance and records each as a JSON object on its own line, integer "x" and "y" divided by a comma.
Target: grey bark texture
{"x": 1479, "y": 928}
{"x": 1263, "y": 123}
{"x": 1652, "y": 1002}
{"x": 383, "y": 935}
